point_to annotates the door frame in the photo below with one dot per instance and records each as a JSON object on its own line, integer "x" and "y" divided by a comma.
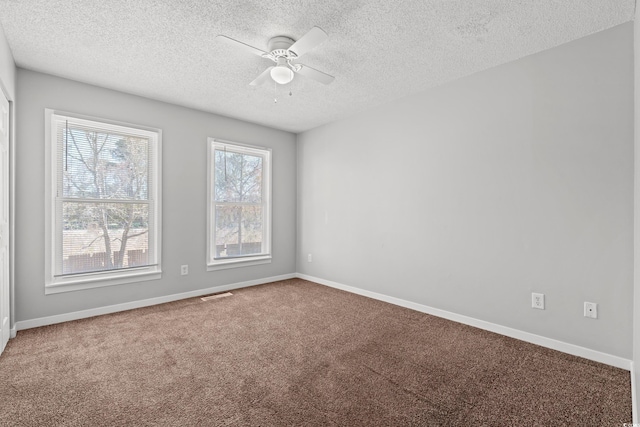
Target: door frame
{"x": 11, "y": 200}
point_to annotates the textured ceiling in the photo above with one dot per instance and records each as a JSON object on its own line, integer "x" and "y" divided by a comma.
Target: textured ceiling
{"x": 378, "y": 50}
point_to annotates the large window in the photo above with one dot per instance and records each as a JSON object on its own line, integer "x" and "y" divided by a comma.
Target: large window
{"x": 103, "y": 211}
{"x": 239, "y": 205}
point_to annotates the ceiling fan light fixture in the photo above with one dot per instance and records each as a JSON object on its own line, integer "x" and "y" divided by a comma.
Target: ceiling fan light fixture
{"x": 282, "y": 74}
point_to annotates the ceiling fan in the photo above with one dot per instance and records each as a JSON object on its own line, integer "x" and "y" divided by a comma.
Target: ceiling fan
{"x": 284, "y": 51}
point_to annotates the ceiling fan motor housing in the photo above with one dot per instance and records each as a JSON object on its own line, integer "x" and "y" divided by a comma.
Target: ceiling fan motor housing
{"x": 279, "y": 47}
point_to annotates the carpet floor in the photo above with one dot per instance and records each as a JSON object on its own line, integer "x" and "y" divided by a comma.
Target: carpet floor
{"x": 295, "y": 353}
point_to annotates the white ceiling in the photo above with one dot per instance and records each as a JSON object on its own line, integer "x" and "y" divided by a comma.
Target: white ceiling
{"x": 378, "y": 50}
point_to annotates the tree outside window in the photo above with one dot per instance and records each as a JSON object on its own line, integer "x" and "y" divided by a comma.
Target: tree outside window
{"x": 104, "y": 212}
{"x": 239, "y": 202}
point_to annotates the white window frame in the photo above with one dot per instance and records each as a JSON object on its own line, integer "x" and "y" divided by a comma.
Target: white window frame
{"x": 263, "y": 258}
{"x": 66, "y": 283}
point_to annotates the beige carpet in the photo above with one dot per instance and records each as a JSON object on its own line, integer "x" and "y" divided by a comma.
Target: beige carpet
{"x": 295, "y": 353}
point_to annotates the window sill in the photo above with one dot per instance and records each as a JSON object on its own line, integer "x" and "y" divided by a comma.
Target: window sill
{"x": 90, "y": 281}
{"x": 238, "y": 262}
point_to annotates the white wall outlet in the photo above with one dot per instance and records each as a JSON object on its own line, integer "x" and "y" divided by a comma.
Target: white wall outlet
{"x": 537, "y": 301}
{"x": 309, "y": 258}
{"x": 184, "y": 270}
{"x": 591, "y": 310}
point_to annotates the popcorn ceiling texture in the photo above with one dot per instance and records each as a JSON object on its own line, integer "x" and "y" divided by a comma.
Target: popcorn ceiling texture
{"x": 378, "y": 50}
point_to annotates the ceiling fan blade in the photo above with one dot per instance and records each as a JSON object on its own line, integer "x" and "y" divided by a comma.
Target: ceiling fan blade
{"x": 313, "y": 38}
{"x": 239, "y": 44}
{"x": 314, "y": 74}
{"x": 263, "y": 77}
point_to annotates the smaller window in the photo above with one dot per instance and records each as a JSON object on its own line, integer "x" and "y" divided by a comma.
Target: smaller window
{"x": 239, "y": 205}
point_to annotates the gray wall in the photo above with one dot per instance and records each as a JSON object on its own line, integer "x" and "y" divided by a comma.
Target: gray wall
{"x": 184, "y": 167}
{"x": 470, "y": 196}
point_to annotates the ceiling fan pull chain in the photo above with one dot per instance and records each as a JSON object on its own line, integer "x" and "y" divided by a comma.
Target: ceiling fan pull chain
{"x": 275, "y": 93}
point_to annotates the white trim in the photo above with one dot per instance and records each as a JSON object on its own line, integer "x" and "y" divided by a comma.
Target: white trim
{"x": 239, "y": 262}
{"x": 12, "y": 216}
{"x": 266, "y": 154}
{"x": 98, "y": 280}
{"x": 553, "y": 344}
{"x": 57, "y": 284}
{"x": 12, "y": 332}
{"x": 11, "y": 226}
{"x": 66, "y": 317}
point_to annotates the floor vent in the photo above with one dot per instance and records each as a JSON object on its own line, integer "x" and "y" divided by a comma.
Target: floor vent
{"x": 216, "y": 296}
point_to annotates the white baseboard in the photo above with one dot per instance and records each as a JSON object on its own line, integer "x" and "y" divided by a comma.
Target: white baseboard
{"x": 12, "y": 332}
{"x": 553, "y": 344}
{"x": 66, "y": 317}
{"x": 564, "y": 347}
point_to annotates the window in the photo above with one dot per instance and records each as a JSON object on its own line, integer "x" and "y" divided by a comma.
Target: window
{"x": 103, "y": 204}
{"x": 239, "y": 205}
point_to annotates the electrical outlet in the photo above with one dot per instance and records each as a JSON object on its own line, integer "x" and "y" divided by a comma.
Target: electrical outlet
{"x": 537, "y": 301}
{"x": 184, "y": 270}
{"x": 591, "y": 310}
{"x": 309, "y": 258}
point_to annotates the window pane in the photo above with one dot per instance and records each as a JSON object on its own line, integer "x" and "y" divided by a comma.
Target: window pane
{"x": 104, "y": 236}
{"x": 239, "y": 230}
{"x": 102, "y": 165}
{"x": 238, "y": 177}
